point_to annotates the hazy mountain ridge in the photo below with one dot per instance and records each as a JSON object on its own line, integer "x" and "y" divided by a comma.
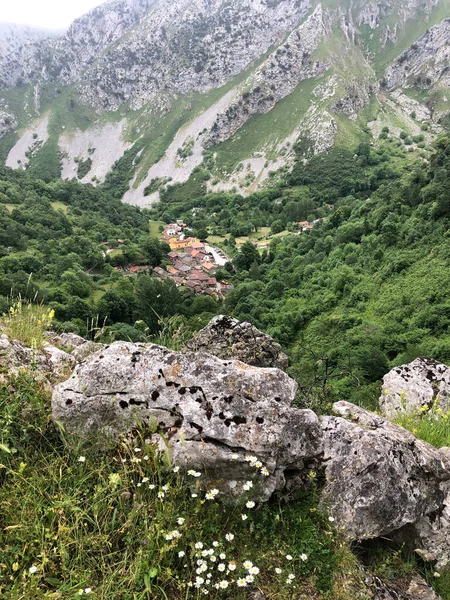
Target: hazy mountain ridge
{"x": 138, "y": 62}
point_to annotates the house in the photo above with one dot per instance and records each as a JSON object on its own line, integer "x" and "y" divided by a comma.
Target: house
{"x": 212, "y": 281}
{"x": 173, "y": 255}
{"x": 302, "y": 224}
{"x": 120, "y": 241}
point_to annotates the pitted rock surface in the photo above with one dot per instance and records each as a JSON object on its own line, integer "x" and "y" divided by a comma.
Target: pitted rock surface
{"x": 430, "y": 535}
{"x": 379, "y": 477}
{"x": 225, "y": 337}
{"x": 213, "y": 412}
{"x": 66, "y": 341}
{"x": 16, "y": 357}
{"x": 408, "y": 388}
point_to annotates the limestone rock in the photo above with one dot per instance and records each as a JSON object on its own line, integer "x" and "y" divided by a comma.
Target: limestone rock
{"x": 228, "y": 338}
{"x": 61, "y": 361}
{"x": 67, "y": 341}
{"x": 410, "y": 387}
{"x": 430, "y": 535}
{"x": 213, "y": 413}
{"x": 379, "y": 477}
{"x": 16, "y": 357}
{"x": 86, "y": 349}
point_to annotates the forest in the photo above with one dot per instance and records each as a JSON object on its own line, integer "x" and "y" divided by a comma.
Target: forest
{"x": 364, "y": 290}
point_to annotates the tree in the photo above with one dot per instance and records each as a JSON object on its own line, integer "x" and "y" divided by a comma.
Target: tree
{"x": 246, "y": 257}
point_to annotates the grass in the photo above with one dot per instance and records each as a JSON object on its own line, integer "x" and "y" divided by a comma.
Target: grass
{"x": 154, "y": 228}
{"x": 60, "y": 206}
{"x": 27, "y": 322}
{"x": 431, "y": 426}
{"x": 265, "y": 131}
{"x": 98, "y": 523}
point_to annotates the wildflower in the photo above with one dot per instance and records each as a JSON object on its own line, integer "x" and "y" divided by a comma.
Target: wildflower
{"x": 229, "y": 537}
{"x": 87, "y": 590}
{"x": 234, "y": 457}
{"x": 151, "y": 486}
{"x": 291, "y": 577}
{"x": 223, "y": 584}
{"x": 205, "y": 553}
{"x": 222, "y": 556}
{"x": 250, "y": 504}
{"x": 232, "y": 566}
{"x": 198, "y": 545}
{"x": 194, "y": 495}
{"x": 33, "y": 569}
{"x": 249, "y": 579}
{"x": 254, "y": 571}
{"x": 82, "y": 459}
{"x": 241, "y": 582}
{"x": 145, "y": 479}
{"x": 303, "y": 557}
{"x": 165, "y": 488}
{"x": 180, "y": 521}
{"x": 248, "y": 565}
{"x": 221, "y": 567}
{"x": 278, "y": 571}
{"x": 264, "y": 471}
{"x": 199, "y": 581}
{"x": 212, "y": 558}
{"x": 197, "y": 474}
{"x": 181, "y": 553}
{"x": 161, "y": 495}
{"x": 114, "y": 479}
{"x": 244, "y": 517}
{"x": 176, "y": 469}
{"x": 146, "y": 457}
{"x": 138, "y": 484}
{"x": 191, "y": 472}
{"x": 331, "y": 519}
{"x": 215, "y": 544}
{"x": 137, "y": 450}
{"x": 247, "y": 485}
{"x": 436, "y": 574}
{"x": 258, "y": 464}
{"x": 288, "y": 557}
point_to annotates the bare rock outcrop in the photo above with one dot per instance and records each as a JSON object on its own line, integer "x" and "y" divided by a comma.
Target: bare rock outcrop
{"x": 212, "y": 413}
{"x": 379, "y": 477}
{"x": 408, "y": 388}
{"x": 225, "y": 337}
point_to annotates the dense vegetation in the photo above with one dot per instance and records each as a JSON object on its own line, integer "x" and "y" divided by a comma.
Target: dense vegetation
{"x": 59, "y": 244}
{"x": 367, "y": 288}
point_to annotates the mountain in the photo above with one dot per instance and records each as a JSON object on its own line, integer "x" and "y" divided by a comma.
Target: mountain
{"x": 141, "y": 93}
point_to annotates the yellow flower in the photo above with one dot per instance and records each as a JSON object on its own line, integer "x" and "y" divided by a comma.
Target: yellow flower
{"x": 15, "y": 567}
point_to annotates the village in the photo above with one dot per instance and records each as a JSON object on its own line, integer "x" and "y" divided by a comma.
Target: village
{"x": 194, "y": 263}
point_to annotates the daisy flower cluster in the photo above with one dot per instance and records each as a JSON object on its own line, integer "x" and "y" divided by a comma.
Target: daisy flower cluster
{"x": 216, "y": 570}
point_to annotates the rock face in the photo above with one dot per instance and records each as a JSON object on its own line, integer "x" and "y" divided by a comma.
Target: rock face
{"x": 213, "y": 413}
{"x": 229, "y": 338}
{"x": 48, "y": 361}
{"x": 379, "y": 477}
{"x": 422, "y": 383}
{"x": 430, "y": 535}
{"x": 425, "y": 63}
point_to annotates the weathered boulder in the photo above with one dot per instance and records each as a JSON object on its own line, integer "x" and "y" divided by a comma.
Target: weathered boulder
{"x": 16, "y": 357}
{"x": 212, "y": 413}
{"x": 419, "y": 384}
{"x": 379, "y": 477}
{"x": 225, "y": 338}
{"x": 84, "y": 350}
{"x": 66, "y": 341}
{"x": 430, "y": 535}
{"x": 61, "y": 361}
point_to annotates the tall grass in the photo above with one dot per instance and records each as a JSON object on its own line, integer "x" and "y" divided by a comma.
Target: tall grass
{"x": 27, "y": 321}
